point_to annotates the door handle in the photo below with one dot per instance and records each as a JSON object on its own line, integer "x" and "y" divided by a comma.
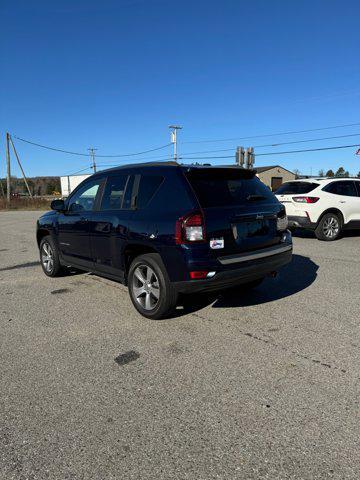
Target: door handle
{"x": 342, "y": 201}
{"x": 84, "y": 219}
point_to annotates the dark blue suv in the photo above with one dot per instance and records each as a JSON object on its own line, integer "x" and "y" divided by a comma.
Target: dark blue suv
{"x": 166, "y": 229}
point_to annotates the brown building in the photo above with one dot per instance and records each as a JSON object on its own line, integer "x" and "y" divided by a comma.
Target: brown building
{"x": 274, "y": 175}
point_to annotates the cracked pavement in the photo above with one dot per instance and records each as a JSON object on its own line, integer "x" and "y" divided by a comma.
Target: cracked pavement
{"x": 261, "y": 385}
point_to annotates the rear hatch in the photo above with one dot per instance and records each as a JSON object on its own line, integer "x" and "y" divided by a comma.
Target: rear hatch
{"x": 288, "y": 190}
{"x": 240, "y": 212}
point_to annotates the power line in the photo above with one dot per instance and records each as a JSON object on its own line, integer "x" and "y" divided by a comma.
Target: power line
{"x": 232, "y": 156}
{"x": 162, "y": 157}
{"x": 113, "y": 165}
{"x": 309, "y": 140}
{"x": 205, "y": 141}
{"x": 79, "y": 171}
{"x": 50, "y": 148}
{"x": 273, "y": 134}
{"x": 157, "y": 157}
{"x": 86, "y": 154}
{"x": 280, "y": 143}
{"x": 308, "y": 150}
{"x": 276, "y": 153}
{"x": 135, "y": 154}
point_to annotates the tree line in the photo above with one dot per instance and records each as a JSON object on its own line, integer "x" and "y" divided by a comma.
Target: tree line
{"x": 340, "y": 172}
{"x": 39, "y": 186}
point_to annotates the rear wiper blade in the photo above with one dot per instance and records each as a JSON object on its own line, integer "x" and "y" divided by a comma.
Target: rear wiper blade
{"x": 255, "y": 197}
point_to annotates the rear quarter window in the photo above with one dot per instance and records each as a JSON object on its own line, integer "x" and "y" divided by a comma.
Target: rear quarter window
{"x": 290, "y": 188}
{"x": 148, "y": 186}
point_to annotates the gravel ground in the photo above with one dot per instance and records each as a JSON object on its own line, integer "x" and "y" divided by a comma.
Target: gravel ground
{"x": 257, "y": 386}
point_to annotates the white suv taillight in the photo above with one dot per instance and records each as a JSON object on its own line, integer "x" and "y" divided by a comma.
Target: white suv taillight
{"x": 305, "y": 199}
{"x": 190, "y": 228}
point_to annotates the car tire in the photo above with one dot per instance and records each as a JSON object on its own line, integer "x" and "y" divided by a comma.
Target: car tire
{"x": 149, "y": 286}
{"x": 329, "y": 227}
{"x": 49, "y": 257}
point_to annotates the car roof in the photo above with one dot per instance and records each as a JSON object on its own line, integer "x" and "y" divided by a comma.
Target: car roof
{"x": 322, "y": 179}
{"x": 171, "y": 165}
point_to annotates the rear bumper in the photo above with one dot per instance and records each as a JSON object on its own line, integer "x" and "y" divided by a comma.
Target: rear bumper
{"x": 300, "y": 222}
{"x": 245, "y": 270}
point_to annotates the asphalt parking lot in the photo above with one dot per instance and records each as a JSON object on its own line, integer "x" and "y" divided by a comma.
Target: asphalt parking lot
{"x": 257, "y": 386}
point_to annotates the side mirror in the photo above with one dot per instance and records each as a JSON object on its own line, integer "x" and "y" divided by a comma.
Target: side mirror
{"x": 58, "y": 205}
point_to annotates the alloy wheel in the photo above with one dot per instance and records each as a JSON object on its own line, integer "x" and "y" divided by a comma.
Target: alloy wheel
{"x": 47, "y": 257}
{"x": 331, "y": 227}
{"x": 145, "y": 287}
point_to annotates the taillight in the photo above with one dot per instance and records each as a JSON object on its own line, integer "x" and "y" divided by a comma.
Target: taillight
{"x": 190, "y": 228}
{"x": 305, "y": 199}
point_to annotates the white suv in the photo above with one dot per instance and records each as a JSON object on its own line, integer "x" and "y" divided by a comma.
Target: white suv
{"x": 325, "y": 205}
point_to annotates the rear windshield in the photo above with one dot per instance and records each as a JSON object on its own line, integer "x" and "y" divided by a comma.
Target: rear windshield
{"x": 289, "y": 188}
{"x": 222, "y": 188}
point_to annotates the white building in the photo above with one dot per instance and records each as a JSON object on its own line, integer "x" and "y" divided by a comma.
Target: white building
{"x": 69, "y": 182}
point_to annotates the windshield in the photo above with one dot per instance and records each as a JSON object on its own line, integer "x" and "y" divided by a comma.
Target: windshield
{"x": 227, "y": 187}
{"x": 289, "y": 188}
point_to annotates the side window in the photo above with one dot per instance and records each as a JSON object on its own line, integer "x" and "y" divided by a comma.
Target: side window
{"x": 128, "y": 193}
{"x": 83, "y": 200}
{"x": 147, "y": 188}
{"x": 357, "y": 183}
{"x": 114, "y": 193}
{"x": 346, "y": 188}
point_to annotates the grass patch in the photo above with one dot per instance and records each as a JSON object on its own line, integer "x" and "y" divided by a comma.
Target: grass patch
{"x": 26, "y": 203}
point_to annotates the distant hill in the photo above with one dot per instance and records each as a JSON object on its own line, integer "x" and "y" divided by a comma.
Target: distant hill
{"x": 38, "y": 185}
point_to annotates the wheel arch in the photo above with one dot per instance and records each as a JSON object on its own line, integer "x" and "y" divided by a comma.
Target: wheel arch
{"x": 132, "y": 251}
{"x": 333, "y": 210}
{"x": 41, "y": 233}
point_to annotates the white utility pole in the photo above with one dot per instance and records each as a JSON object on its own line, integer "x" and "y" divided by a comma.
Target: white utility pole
{"x": 92, "y": 157}
{"x": 175, "y": 128}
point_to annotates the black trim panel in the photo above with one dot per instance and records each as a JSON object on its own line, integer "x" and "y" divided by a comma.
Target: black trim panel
{"x": 238, "y": 276}
{"x": 300, "y": 222}
{"x": 352, "y": 225}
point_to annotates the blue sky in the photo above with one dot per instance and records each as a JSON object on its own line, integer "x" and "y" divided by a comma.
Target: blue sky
{"x": 115, "y": 74}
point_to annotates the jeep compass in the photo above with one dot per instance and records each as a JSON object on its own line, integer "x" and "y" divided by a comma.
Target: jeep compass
{"x": 165, "y": 230}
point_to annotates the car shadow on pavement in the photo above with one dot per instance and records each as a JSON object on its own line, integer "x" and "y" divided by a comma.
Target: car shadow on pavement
{"x": 310, "y": 234}
{"x": 292, "y": 278}
{"x": 21, "y": 265}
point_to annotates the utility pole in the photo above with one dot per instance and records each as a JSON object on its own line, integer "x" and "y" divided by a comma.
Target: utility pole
{"x": 21, "y": 168}
{"x": 250, "y": 157}
{"x": 8, "y": 170}
{"x": 92, "y": 157}
{"x": 245, "y": 158}
{"x": 239, "y": 157}
{"x": 175, "y": 128}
